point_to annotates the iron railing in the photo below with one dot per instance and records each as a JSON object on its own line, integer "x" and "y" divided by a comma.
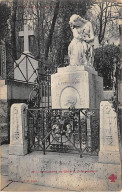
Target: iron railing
{"x": 64, "y": 130}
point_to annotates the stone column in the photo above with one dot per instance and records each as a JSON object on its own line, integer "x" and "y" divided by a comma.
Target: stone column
{"x": 18, "y": 130}
{"x": 109, "y": 142}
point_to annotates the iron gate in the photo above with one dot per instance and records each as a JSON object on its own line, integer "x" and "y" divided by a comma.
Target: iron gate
{"x": 64, "y": 130}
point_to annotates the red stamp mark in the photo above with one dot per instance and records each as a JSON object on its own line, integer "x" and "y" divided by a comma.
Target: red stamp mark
{"x": 112, "y": 177}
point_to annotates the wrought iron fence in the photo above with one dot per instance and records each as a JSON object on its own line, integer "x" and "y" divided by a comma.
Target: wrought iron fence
{"x": 59, "y": 130}
{"x": 40, "y": 96}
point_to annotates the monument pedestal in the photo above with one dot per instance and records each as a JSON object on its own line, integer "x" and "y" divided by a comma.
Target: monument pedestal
{"x": 76, "y": 86}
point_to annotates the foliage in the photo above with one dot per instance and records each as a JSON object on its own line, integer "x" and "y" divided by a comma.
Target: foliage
{"x": 4, "y": 15}
{"x": 104, "y": 16}
{"x": 50, "y": 20}
{"x": 104, "y": 63}
{"x": 62, "y": 33}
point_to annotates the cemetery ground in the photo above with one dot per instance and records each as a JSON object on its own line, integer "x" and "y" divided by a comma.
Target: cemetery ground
{"x": 87, "y": 183}
{"x": 8, "y": 186}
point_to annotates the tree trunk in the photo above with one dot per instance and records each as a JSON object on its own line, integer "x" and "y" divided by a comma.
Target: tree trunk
{"x": 49, "y": 39}
{"x": 13, "y": 30}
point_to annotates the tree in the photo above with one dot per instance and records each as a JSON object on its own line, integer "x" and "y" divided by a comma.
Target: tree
{"x": 50, "y": 19}
{"x": 104, "y": 63}
{"x": 4, "y": 16}
{"x": 13, "y": 29}
{"x": 49, "y": 39}
{"x": 62, "y": 34}
{"x": 104, "y": 18}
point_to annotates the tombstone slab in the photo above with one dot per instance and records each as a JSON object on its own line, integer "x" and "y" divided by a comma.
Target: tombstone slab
{"x": 18, "y": 130}
{"x": 109, "y": 142}
{"x": 77, "y": 86}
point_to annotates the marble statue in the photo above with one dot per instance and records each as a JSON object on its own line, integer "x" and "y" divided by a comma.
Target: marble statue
{"x": 80, "y": 50}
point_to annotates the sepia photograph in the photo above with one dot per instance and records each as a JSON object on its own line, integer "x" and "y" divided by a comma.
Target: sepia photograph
{"x": 60, "y": 95}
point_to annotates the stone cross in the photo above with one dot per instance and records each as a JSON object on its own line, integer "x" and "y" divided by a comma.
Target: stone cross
{"x": 26, "y": 33}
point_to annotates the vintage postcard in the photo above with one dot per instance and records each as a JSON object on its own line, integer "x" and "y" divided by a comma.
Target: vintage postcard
{"x": 60, "y": 95}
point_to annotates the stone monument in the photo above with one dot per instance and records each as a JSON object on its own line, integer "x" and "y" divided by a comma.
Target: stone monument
{"x": 18, "y": 130}
{"x": 25, "y": 66}
{"x": 78, "y": 85}
{"x": 109, "y": 143}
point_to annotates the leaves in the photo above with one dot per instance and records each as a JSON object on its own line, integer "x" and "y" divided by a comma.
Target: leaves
{"x": 4, "y": 16}
{"x": 104, "y": 63}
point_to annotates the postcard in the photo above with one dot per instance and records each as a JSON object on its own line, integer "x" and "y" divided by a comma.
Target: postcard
{"x": 60, "y": 95}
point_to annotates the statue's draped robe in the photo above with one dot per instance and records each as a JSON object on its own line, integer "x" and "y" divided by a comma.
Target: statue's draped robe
{"x": 79, "y": 51}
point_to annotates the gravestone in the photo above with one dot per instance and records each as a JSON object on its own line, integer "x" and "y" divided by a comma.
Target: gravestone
{"x": 18, "y": 130}
{"x": 25, "y": 66}
{"x": 109, "y": 143}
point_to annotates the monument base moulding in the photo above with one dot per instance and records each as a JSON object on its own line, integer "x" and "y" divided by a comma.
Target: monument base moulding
{"x": 76, "y": 86}
{"x": 18, "y": 150}
{"x": 109, "y": 157}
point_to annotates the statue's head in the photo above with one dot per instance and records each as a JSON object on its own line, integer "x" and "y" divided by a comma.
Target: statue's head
{"x": 76, "y": 21}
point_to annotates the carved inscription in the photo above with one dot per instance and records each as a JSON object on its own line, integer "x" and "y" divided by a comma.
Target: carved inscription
{"x": 109, "y": 132}
{"x": 24, "y": 121}
{"x": 109, "y": 140}
{"x": 15, "y": 123}
{"x": 69, "y": 83}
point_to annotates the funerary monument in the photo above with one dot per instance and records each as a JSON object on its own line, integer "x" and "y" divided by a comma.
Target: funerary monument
{"x": 78, "y": 85}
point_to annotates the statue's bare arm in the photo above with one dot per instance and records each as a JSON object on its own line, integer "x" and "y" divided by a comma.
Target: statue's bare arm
{"x": 77, "y": 34}
{"x": 91, "y": 38}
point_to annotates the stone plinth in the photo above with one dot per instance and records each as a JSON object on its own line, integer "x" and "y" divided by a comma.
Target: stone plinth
{"x": 18, "y": 129}
{"x": 77, "y": 86}
{"x": 25, "y": 68}
{"x": 109, "y": 143}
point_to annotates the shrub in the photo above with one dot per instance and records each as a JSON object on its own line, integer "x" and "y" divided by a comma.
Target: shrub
{"x": 104, "y": 63}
